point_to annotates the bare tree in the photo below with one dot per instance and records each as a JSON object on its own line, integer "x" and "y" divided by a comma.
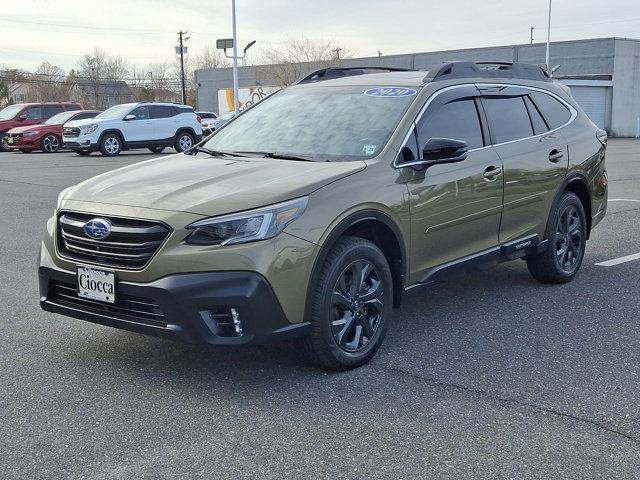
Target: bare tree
{"x": 99, "y": 71}
{"x": 47, "y": 84}
{"x": 210, "y": 58}
{"x": 301, "y": 55}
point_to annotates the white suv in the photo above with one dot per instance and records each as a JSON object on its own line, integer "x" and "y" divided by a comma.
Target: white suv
{"x": 135, "y": 125}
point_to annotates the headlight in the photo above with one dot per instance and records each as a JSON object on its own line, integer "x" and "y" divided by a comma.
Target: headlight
{"x": 63, "y": 193}
{"x": 248, "y": 226}
{"x": 31, "y": 133}
{"x": 87, "y": 129}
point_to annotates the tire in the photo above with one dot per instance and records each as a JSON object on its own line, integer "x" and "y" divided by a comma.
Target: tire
{"x": 50, "y": 144}
{"x": 567, "y": 235}
{"x": 3, "y": 146}
{"x": 110, "y": 145}
{"x": 341, "y": 310}
{"x": 83, "y": 153}
{"x": 184, "y": 141}
{"x": 156, "y": 149}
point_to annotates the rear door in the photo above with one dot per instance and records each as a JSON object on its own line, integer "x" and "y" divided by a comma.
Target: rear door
{"x": 455, "y": 208}
{"x": 534, "y": 155}
{"x": 162, "y": 121}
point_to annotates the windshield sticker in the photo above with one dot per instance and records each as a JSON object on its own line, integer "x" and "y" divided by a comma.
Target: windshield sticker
{"x": 369, "y": 149}
{"x": 390, "y": 92}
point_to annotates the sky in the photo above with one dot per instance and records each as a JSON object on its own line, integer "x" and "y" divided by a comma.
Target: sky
{"x": 144, "y": 31}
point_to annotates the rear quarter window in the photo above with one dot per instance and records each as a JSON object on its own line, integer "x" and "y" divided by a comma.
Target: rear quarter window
{"x": 554, "y": 112}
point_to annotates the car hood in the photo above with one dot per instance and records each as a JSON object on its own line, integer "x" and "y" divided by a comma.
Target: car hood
{"x": 30, "y": 127}
{"x": 87, "y": 121}
{"x": 210, "y": 186}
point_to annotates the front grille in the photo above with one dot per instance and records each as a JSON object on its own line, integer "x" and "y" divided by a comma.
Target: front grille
{"x": 71, "y": 132}
{"x": 127, "y": 307}
{"x": 131, "y": 244}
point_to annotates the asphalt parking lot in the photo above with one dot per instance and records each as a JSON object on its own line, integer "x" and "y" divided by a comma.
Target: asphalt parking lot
{"x": 492, "y": 376}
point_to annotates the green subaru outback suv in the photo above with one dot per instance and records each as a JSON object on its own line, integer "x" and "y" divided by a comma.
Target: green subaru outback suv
{"x": 311, "y": 213}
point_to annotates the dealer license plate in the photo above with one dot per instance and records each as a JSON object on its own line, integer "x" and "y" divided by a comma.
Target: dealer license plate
{"x": 96, "y": 284}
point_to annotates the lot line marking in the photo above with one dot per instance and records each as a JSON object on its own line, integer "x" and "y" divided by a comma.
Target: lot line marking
{"x": 618, "y": 261}
{"x": 623, "y": 200}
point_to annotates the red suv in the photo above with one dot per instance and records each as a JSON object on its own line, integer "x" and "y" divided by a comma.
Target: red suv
{"x": 24, "y": 114}
{"x": 47, "y": 136}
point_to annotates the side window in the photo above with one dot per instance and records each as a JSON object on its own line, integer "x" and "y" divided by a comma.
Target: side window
{"x": 539, "y": 125}
{"x": 554, "y": 112}
{"x": 509, "y": 118}
{"x": 34, "y": 113}
{"x": 73, "y": 107}
{"x": 458, "y": 120}
{"x": 51, "y": 110}
{"x": 160, "y": 111}
{"x": 141, "y": 113}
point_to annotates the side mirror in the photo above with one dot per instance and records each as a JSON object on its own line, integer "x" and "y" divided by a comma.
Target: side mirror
{"x": 444, "y": 150}
{"x": 130, "y": 117}
{"x": 23, "y": 116}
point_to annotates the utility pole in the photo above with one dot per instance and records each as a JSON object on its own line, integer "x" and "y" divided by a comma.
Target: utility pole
{"x": 337, "y": 51}
{"x": 379, "y": 53}
{"x": 532, "y": 29}
{"x": 548, "y": 41}
{"x": 181, "y": 40}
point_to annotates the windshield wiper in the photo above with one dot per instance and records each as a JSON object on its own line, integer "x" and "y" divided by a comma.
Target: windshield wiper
{"x": 282, "y": 156}
{"x": 214, "y": 153}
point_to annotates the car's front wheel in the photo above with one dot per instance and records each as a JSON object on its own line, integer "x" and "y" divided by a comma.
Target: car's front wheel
{"x": 3, "y": 143}
{"x": 184, "y": 141}
{"x": 351, "y": 305}
{"x": 567, "y": 236}
{"x": 50, "y": 144}
{"x": 110, "y": 145}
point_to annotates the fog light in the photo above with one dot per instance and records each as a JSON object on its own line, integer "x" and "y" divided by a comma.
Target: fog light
{"x": 237, "y": 324}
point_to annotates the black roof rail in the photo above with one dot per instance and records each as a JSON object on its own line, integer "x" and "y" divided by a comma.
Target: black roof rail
{"x": 339, "y": 72}
{"x": 452, "y": 70}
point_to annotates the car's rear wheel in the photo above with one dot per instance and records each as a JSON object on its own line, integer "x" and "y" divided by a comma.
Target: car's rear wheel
{"x": 156, "y": 149}
{"x": 351, "y": 305}
{"x": 110, "y": 145}
{"x": 184, "y": 141}
{"x": 566, "y": 235}
{"x": 50, "y": 144}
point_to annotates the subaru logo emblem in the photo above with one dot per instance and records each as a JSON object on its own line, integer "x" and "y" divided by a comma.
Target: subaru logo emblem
{"x": 97, "y": 228}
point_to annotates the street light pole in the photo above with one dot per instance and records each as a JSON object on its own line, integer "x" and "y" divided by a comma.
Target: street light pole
{"x": 548, "y": 41}
{"x": 236, "y": 103}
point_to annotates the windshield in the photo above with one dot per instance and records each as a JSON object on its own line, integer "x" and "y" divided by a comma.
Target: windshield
{"x": 325, "y": 123}
{"x": 119, "y": 111}
{"x": 60, "y": 118}
{"x": 10, "y": 112}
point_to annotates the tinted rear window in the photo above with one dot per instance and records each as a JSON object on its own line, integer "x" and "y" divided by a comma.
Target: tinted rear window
{"x": 509, "y": 118}
{"x": 554, "y": 112}
{"x": 539, "y": 126}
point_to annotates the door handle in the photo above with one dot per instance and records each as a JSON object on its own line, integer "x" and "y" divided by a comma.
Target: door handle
{"x": 491, "y": 173}
{"x": 555, "y": 156}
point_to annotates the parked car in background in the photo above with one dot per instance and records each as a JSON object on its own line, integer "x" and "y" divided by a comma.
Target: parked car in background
{"x": 210, "y": 126}
{"x": 135, "y": 125}
{"x": 47, "y": 136}
{"x": 25, "y": 114}
{"x": 207, "y": 115}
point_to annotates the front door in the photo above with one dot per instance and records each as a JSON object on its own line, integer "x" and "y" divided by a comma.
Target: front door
{"x": 455, "y": 208}
{"x": 141, "y": 128}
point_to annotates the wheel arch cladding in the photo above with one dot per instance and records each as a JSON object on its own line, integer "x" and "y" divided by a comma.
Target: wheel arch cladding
{"x": 379, "y": 229}
{"x": 112, "y": 131}
{"x": 579, "y": 186}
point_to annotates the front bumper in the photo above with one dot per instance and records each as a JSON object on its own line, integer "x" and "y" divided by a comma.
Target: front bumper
{"x": 79, "y": 143}
{"x": 189, "y": 307}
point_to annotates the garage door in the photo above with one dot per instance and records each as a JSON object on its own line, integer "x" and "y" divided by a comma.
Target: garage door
{"x": 593, "y": 101}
